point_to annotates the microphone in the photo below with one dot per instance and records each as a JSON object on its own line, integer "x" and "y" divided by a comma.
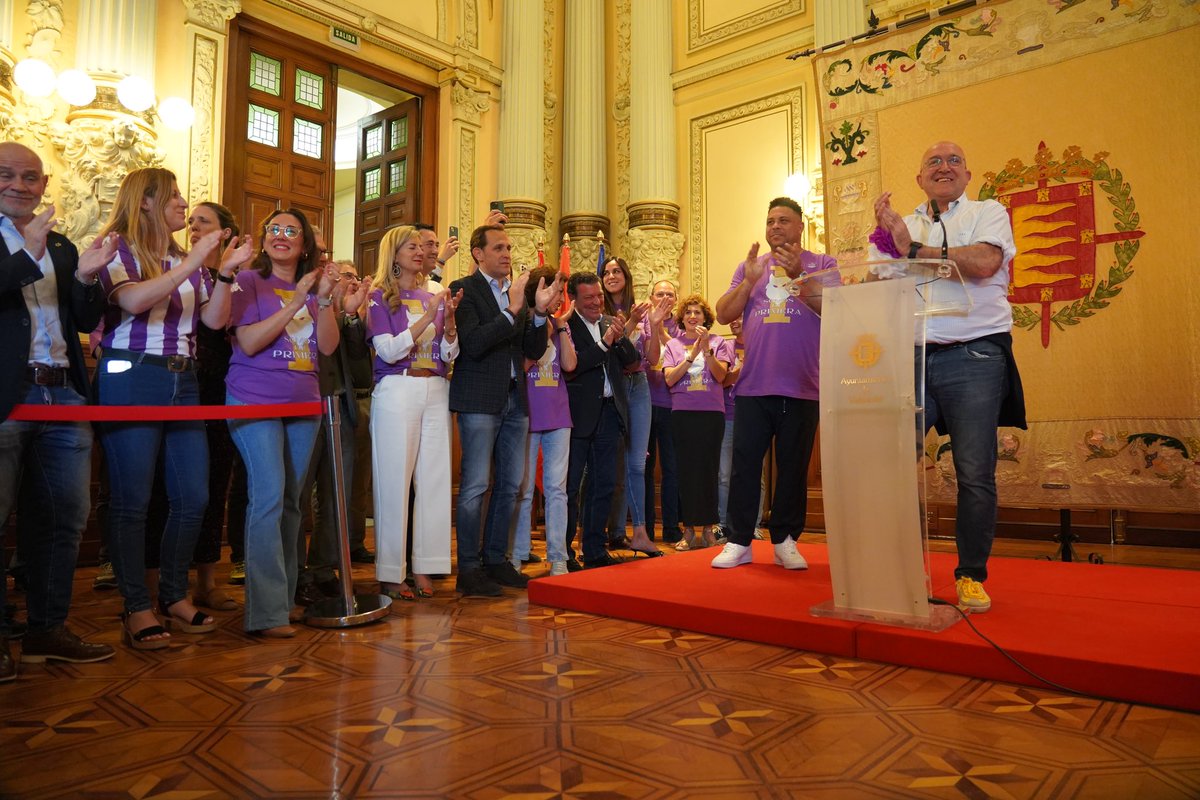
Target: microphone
{"x": 937, "y": 217}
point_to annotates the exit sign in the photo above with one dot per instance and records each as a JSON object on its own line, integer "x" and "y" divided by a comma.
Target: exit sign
{"x": 344, "y": 37}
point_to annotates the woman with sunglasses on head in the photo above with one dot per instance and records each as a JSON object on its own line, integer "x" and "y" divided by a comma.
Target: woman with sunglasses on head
{"x": 618, "y": 299}
{"x": 695, "y": 364}
{"x": 278, "y": 326}
{"x": 415, "y": 339}
{"x": 157, "y": 295}
{"x": 226, "y": 473}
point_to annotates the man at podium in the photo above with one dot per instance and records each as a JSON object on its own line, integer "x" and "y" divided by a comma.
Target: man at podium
{"x": 778, "y": 391}
{"x": 971, "y": 381}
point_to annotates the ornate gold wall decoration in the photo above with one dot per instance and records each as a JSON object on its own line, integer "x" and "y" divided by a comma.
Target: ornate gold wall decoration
{"x": 468, "y": 104}
{"x": 525, "y": 243}
{"x": 620, "y": 112}
{"x": 767, "y": 13}
{"x": 793, "y": 101}
{"x": 99, "y": 152}
{"x": 212, "y": 14}
{"x": 466, "y": 191}
{"x": 470, "y": 25}
{"x": 204, "y": 98}
{"x": 550, "y": 100}
{"x": 656, "y": 253}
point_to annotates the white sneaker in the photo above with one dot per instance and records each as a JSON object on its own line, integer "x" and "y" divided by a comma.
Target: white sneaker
{"x": 788, "y": 557}
{"x": 558, "y": 568}
{"x": 732, "y": 555}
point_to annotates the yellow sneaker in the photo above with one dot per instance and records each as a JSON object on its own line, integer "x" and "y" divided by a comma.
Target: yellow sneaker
{"x": 971, "y": 596}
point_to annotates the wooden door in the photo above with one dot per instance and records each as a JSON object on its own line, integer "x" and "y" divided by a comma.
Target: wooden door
{"x": 280, "y": 144}
{"x": 386, "y": 181}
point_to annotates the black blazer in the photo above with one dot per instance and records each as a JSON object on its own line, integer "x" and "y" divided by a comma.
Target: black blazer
{"x": 585, "y": 386}
{"x": 79, "y": 307}
{"x": 491, "y": 349}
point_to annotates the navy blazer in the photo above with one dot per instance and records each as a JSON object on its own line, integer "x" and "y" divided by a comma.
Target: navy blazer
{"x": 585, "y": 386}
{"x": 491, "y": 349}
{"x": 79, "y": 307}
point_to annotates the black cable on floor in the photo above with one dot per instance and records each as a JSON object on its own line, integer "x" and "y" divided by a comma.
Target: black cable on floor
{"x": 939, "y": 602}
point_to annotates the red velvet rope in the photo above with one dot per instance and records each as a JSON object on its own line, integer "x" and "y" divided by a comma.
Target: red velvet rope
{"x": 36, "y": 413}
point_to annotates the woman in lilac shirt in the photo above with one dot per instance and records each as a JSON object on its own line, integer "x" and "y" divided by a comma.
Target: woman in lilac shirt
{"x": 695, "y": 363}
{"x": 157, "y": 296}
{"x": 278, "y": 327}
{"x": 549, "y": 431}
{"x": 415, "y": 339}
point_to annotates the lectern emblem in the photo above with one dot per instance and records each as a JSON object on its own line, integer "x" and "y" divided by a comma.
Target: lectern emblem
{"x": 866, "y": 351}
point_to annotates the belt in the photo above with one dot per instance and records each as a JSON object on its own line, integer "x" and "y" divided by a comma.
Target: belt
{"x": 362, "y": 394}
{"x": 42, "y": 375}
{"x": 420, "y": 373}
{"x": 172, "y": 363}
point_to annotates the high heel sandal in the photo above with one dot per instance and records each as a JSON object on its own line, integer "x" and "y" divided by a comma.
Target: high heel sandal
{"x": 404, "y": 593}
{"x": 653, "y": 552}
{"x": 197, "y": 623}
{"x": 710, "y": 536}
{"x": 140, "y": 640}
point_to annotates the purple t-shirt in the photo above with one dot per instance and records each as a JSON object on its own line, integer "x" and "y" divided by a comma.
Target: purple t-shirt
{"x": 549, "y": 408}
{"x": 739, "y": 355}
{"x": 285, "y": 371}
{"x": 782, "y": 334}
{"x": 660, "y": 393}
{"x": 697, "y": 390}
{"x": 166, "y": 329}
{"x": 427, "y": 352}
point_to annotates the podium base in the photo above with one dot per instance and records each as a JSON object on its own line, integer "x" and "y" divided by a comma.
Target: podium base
{"x": 940, "y": 617}
{"x": 334, "y": 613}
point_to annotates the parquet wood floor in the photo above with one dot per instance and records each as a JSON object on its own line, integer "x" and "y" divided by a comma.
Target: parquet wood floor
{"x": 481, "y": 699}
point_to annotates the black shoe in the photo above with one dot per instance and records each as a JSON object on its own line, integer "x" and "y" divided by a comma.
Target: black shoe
{"x": 331, "y": 587}
{"x": 476, "y": 583}
{"x": 362, "y": 555}
{"x": 619, "y": 543}
{"x": 60, "y": 644}
{"x": 307, "y": 594}
{"x": 16, "y": 630}
{"x": 532, "y": 558}
{"x": 506, "y": 574}
{"x": 604, "y": 561}
{"x": 574, "y": 566}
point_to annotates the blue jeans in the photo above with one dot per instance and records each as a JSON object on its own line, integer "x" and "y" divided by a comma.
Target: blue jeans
{"x": 724, "y": 472}
{"x": 964, "y": 387}
{"x": 635, "y": 455}
{"x": 661, "y": 448}
{"x": 53, "y": 460}
{"x": 493, "y": 448}
{"x": 132, "y": 450}
{"x": 276, "y": 452}
{"x": 597, "y": 455}
{"x": 556, "y": 451}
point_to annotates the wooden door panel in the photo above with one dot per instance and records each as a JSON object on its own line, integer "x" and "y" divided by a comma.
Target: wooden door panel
{"x": 281, "y": 123}
{"x": 386, "y": 182}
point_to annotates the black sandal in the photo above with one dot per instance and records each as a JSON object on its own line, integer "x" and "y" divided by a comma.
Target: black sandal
{"x": 141, "y": 639}
{"x": 196, "y": 625}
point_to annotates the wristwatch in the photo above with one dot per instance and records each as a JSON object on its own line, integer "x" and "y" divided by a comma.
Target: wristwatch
{"x": 913, "y": 248}
{"x": 225, "y": 278}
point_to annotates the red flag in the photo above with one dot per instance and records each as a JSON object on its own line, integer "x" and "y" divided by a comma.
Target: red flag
{"x": 564, "y": 267}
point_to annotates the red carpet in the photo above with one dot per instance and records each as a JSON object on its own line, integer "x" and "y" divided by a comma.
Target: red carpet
{"x": 1126, "y": 633}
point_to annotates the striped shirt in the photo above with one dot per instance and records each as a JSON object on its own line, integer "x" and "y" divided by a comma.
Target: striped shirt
{"x": 166, "y": 329}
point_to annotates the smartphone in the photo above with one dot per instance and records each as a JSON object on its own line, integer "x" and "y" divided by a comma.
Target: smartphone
{"x": 497, "y": 205}
{"x": 453, "y": 231}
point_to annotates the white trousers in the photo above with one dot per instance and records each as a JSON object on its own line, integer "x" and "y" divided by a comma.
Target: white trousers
{"x": 410, "y": 446}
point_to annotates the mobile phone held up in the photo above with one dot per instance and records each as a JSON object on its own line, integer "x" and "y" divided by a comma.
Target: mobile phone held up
{"x": 497, "y": 205}
{"x": 453, "y": 231}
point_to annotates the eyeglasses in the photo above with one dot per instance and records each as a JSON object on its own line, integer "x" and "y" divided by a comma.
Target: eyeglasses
{"x": 937, "y": 161}
{"x": 290, "y": 231}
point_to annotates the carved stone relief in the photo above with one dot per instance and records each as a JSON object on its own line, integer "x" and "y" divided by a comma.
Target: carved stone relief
{"x": 468, "y": 104}
{"x": 653, "y": 255}
{"x": 204, "y": 71}
{"x": 99, "y": 153}
{"x": 212, "y": 14}
{"x": 550, "y": 114}
{"x": 620, "y": 112}
{"x": 525, "y": 241}
{"x": 466, "y": 190}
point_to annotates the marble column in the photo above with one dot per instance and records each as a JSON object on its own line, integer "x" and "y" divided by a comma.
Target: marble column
{"x": 102, "y": 142}
{"x": 522, "y": 167}
{"x": 585, "y": 165}
{"x": 654, "y": 243}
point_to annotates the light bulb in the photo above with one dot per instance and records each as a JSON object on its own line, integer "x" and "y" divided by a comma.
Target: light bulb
{"x": 135, "y": 93}
{"x": 797, "y": 187}
{"x": 176, "y": 113}
{"x": 76, "y": 87}
{"x": 35, "y": 77}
